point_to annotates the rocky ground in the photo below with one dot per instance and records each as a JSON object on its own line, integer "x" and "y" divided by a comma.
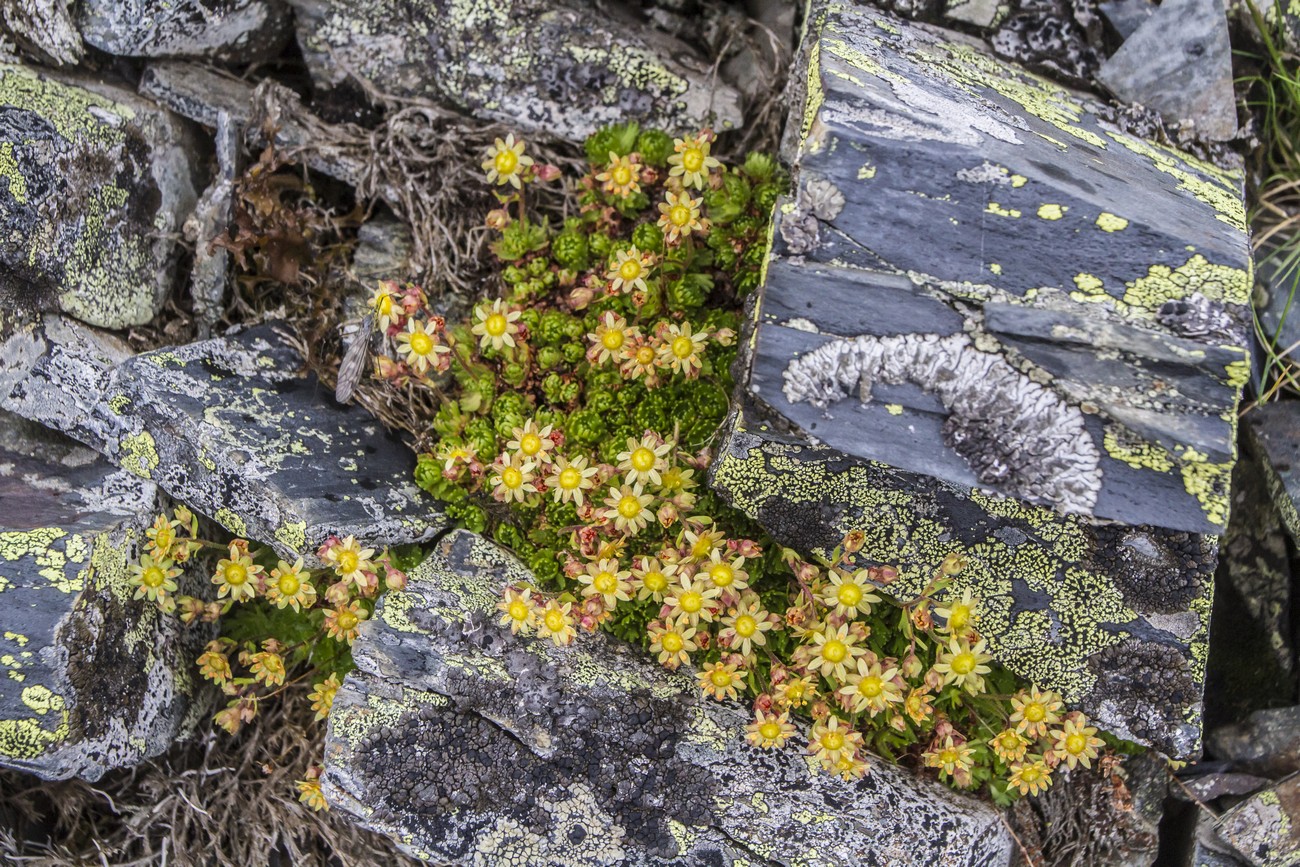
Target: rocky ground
{"x": 1008, "y": 310}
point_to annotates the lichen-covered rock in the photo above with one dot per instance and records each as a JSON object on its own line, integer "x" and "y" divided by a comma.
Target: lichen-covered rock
{"x": 42, "y": 28}
{"x": 94, "y": 185}
{"x": 926, "y": 371}
{"x": 1265, "y": 828}
{"x": 231, "y": 427}
{"x": 233, "y": 31}
{"x": 93, "y": 680}
{"x": 563, "y": 67}
{"x": 1274, "y": 430}
{"x": 472, "y": 746}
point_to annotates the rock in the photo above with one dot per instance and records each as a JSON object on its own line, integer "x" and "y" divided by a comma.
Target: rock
{"x": 1065, "y": 421}
{"x": 94, "y": 184}
{"x": 1277, "y": 301}
{"x": 1267, "y": 743}
{"x": 978, "y": 13}
{"x": 556, "y": 66}
{"x": 470, "y": 745}
{"x": 1274, "y": 432}
{"x": 43, "y": 28}
{"x": 1191, "y": 82}
{"x": 1265, "y": 828}
{"x": 1045, "y": 36}
{"x": 230, "y": 427}
{"x": 211, "y": 219}
{"x": 95, "y": 680}
{"x": 1126, "y": 16}
{"x": 1211, "y": 787}
{"x": 1207, "y": 850}
{"x": 231, "y": 31}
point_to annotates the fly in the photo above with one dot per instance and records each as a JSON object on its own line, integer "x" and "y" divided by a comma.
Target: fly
{"x": 355, "y": 358}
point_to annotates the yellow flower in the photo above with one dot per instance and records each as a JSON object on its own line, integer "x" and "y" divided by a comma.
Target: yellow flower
{"x": 720, "y": 680}
{"x": 700, "y": 546}
{"x": 691, "y": 161}
{"x": 344, "y": 623}
{"x": 309, "y": 793}
{"x": 769, "y": 730}
{"x": 607, "y": 340}
{"x": 268, "y": 668}
{"x": 419, "y": 348}
{"x": 237, "y": 576}
{"x": 517, "y": 611}
{"x": 872, "y": 688}
{"x": 382, "y": 303}
{"x": 726, "y": 574}
{"x": 604, "y": 579}
{"x": 621, "y": 177}
{"x": 961, "y": 614}
{"x": 350, "y": 560}
{"x": 153, "y": 579}
{"x": 794, "y": 693}
{"x": 692, "y": 600}
{"x": 644, "y": 460}
{"x": 963, "y": 664}
{"x": 162, "y": 536}
{"x": 1031, "y": 777}
{"x": 290, "y": 584}
{"x": 556, "y": 623}
{"x": 746, "y": 627}
{"x": 214, "y": 665}
{"x": 639, "y": 360}
{"x": 681, "y": 349}
{"x": 1076, "y": 743}
{"x": 849, "y": 595}
{"x": 850, "y": 767}
{"x": 831, "y": 739}
{"x": 629, "y": 270}
{"x": 833, "y": 652}
{"x": 506, "y": 161}
{"x": 651, "y": 578}
{"x": 512, "y": 478}
{"x": 451, "y": 455}
{"x": 950, "y": 757}
{"x": 322, "y": 698}
{"x": 919, "y": 705}
{"x": 569, "y": 478}
{"x": 679, "y": 217}
{"x": 496, "y": 325}
{"x": 629, "y": 508}
{"x": 1035, "y": 711}
{"x": 531, "y": 442}
{"x": 1009, "y": 745}
{"x": 673, "y": 641}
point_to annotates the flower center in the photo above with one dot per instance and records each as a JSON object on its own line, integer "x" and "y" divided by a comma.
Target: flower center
{"x": 605, "y": 582}
{"x": 1010, "y": 743}
{"x": 512, "y": 478}
{"x": 621, "y": 175}
{"x": 530, "y": 444}
{"x": 720, "y": 677}
{"x": 495, "y": 324}
{"x": 506, "y": 161}
{"x": 153, "y": 577}
{"x": 871, "y": 686}
{"x": 833, "y": 741}
{"x": 289, "y": 584}
{"x": 630, "y": 269}
{"x": 963, "y": 663}
{"x": 421, "y": 344}
{"x": 959, "y": 617}
{"x": 643, "y": 460}
{"x": 570, "y": 478}
{"x": 770, "y": 730}
{"x": 703, "y": 547}
{"x": 236, "y": 574}
{"x": 1075, "y": 744}
{"x": 834, "y": 650}
{"x": 519, "y": 610}
{"x": 721, "y": 574}
{"x": 1035, "y": 712}
{"x": 346, "y": 620}
{"x": 612, "y": 339}
{"x": 849, "y": 594}
{"x": 692, "y": 159}
{"x": 746, "y": 626}
{"x": 672, "y": 642}
{"x": 629, "y": 507}
{"x": 1030, "y": 775}
{"x": 554, "y": 620}
{"x": 948, "y": 757}
{"x": 679, "y": 215}
{"x": 691, "y": 602}
{"x": 164, "y": 538}
{"x": 683, "y": 347}
{"x": 645, "y": 355}
{"x": 348, "y": 561}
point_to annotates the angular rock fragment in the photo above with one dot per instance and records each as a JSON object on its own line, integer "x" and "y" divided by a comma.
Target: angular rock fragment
{"x": 1126, "y": 16}
{"x": 92, "y": 679}
{"x": 94, "y": 185}
{"x": 231, "y": 427}
{"x": 42, "y": 28}
{"x": 1265, "y": 828}
{"x": 1266, "y": 743}
{"x": 1207, "y": 850}
{"x": 924, "y": 371}
{"x": 1179, "y": 62}
{"x": 1274, "y": 430}
{"x": 233, "y": 31}
{"x": 469, "y": 745}
{"x": 980, "y": 13}
{"x": 556, "y": 66}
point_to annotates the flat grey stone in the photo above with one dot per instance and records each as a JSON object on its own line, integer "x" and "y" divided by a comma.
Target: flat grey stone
{"x": 1126, "y": 16}
{"x": 979, "y": 13}
{"x": 1179, "y": 62}
{"x": 92, "y": 679}
{"x": 94, "y": 185}
{"x": 1265, "y": 828}
{"x": 1207, "y": 850}
{"x": 471, "y": 746}
{"x": 232, "y": 428}
{"x": 1274, "y": 430}
{"x": 562, "y": 67}
{"x": 232, "y": 31}
{"x": 1267, "y": 743}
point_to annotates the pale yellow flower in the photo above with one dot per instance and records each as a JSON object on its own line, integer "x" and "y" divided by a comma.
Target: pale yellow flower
{"x": 570, "y": 478}
{"x": 506, "y": 161}
{"x": 679, "y": 217}
{"x": 644, "y": 460}
{"x": 691, "y": 161}
{"x": 605, "y": 579}
{"x": 418, "y": 348}
{"x": 496, "y": 325}
{"x": 682, "y": 349}
{"x": 621, "y": 177}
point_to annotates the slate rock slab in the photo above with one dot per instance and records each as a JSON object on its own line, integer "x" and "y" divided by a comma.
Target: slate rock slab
{"x": 471, "y": 746}
{"x": 564, "y": 67}
{"x": 1265, "y": 828}
{"x": 233, "y": 428}
{"x": 232, "y": 31}
{"x": 1274, "y": 431}
{"x": 90, "y": 679}
{"x": 94, "y": 185}
{"x": 988, "y": 320}
{"x": 1266, "y": 743}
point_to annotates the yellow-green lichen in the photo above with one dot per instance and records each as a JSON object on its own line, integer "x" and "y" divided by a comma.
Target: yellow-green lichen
{"x": 139, "y": 454}
{"x": 10, "y": 172}
{"x": 231, "y": 521}
{"x": 1108, "y": 222}
{"x": 293, "y": 535}
{"x": 1137, "y": 453}
{"x": 995, "y": 208}
{"x": 1051, "y": 212}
